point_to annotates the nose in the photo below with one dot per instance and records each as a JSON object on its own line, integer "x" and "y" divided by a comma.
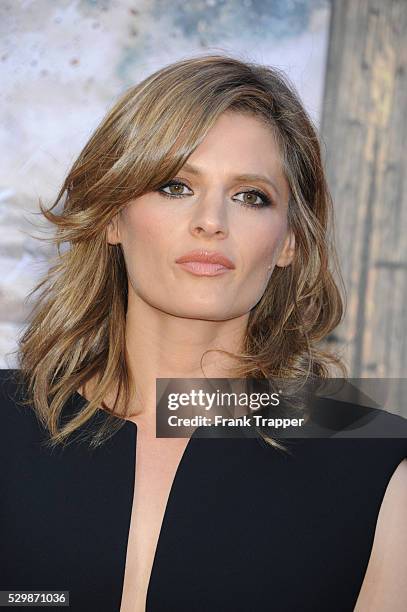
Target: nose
{"x": 210, "y": 217}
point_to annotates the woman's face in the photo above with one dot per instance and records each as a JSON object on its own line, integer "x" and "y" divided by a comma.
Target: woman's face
{"x": 210, "y": 206}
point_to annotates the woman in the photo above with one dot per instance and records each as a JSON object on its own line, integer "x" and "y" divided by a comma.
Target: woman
{"x": 197, "y": 218}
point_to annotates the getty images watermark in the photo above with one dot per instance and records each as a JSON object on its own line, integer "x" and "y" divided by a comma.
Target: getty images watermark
{"x": 209, "y": 405}
{"x": 281, "y": 407}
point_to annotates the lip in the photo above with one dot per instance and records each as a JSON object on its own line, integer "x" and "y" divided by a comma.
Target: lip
{"x": 205, "y": 263}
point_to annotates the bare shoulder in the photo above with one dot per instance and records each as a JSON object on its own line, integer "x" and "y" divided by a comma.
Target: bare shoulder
{"x": 385, "y": 586}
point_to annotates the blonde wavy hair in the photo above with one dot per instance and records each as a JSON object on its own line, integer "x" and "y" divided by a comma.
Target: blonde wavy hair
{"x": 76, "y": 329}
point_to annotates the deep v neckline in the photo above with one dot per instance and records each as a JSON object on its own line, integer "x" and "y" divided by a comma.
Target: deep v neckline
{"x": 133, "y": 431}
{"x": 164, "y": 521}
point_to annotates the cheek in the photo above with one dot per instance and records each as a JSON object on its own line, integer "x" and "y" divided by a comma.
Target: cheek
{"x": 145, "y": 238}
{"x": 149, "y": 220}
{"x": 259, "y": 250}
{"x": 262, "y": 243}
{"x": 141, "y": 224}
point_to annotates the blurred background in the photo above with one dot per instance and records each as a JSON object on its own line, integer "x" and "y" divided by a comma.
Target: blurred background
{"x": 64, "y": 63}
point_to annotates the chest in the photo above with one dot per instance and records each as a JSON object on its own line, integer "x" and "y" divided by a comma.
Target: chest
{"x": 157, "y": 462}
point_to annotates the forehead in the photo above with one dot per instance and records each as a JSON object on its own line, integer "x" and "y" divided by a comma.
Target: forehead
{"x": 239, "y": 138}
{"x": 239, "y": 144}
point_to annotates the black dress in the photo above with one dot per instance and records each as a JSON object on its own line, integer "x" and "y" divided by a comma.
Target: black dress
{"x": 246, "y": 527}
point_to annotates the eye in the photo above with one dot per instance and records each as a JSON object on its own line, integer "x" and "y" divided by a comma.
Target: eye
{"x": 253, "y": 195}
{"x": 253, "y": 198}
{"x": 178, "y": 187}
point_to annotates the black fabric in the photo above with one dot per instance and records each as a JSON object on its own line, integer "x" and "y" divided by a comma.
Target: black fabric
{"x": 246, "y": 527}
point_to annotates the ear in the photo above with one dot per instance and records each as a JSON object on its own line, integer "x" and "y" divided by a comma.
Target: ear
{"x": 112, "y": 231}
{"x": 287, "y": 252}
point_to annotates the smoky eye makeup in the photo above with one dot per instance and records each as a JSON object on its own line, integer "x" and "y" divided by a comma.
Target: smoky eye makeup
{"x": 252, "y": 197}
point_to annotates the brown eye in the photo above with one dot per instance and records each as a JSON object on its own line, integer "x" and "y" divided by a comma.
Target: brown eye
{"x": 250, "y": 198}
{"x": 254, "y": 199}
{"x": 175, "y": 187}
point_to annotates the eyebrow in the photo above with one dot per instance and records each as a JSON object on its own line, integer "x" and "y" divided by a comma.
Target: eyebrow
{"x": 238, "y": 177}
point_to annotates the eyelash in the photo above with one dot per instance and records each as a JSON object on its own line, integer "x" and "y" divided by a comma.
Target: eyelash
{"x": 266, "y": 200}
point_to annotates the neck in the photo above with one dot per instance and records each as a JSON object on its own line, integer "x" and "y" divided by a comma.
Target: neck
{"x": 161, "y": 345}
